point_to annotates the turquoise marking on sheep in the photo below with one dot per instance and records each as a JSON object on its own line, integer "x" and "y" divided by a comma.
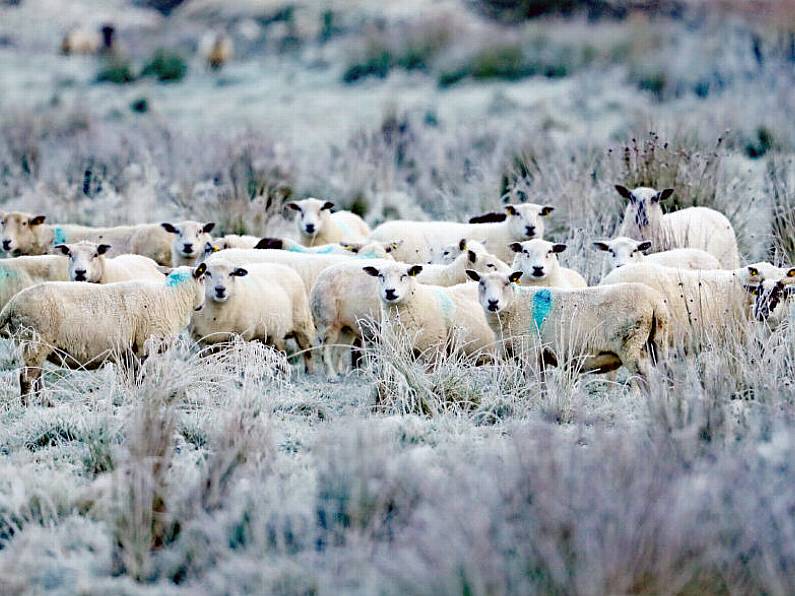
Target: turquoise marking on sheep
{"x": 542, "y": 304}
{"x": 326, "y": 250}
{"x": 176, "y": 278}
{"x": 296, "y": 248}
{"x": 370, "y": 254}
{"x": 58, "y": 236}
{"x": 6, "y": 274}
{"x": 344, "y": 228}
{"x": 446, "y": 304}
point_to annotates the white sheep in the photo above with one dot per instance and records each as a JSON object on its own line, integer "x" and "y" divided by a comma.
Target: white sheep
{"x": 694, "y": 227}
{"x": 538, "y": 261}
{"x": 189, "y": 239}
{"x": 264, "y": 302}
{"x": 627, "y": 251}
{"x": 236, "y": 241}
{"x": 422, "y": 240}
{"x": 447, "y": 254}
{"x": 82, "y": 325}
{"x": 343, "y": 296}
{"x": 368, "y": 248}
{"x": 434, "y": 319}
{"x": 318, "y": 225}
{"x": 88, "y": 262}
{"x": 19, "y": 273}
{"x": 594, "y": 329}
{"x": 705, "y": 306}
{"x": 27, "y": 234}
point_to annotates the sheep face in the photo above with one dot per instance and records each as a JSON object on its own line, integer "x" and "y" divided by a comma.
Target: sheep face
{"x": 190, "y": 237}
{"x": 495, "y": 290}
{"x": 525, "y": 220}
{"x": 312, "y": 215}
{"x": 21, "y": 232}
{"x": 220, "y": 281}
{"x": 86, "y": 260}
{"x": 768, "y": 286}
{"x": 193, "y": 277}
{"x": 644, "y": 204}
{"x": 450, "y": 253}
{"x": 537, "y": 258}
{"x": 624, "y": 251}
{"x": 395, "y": 282}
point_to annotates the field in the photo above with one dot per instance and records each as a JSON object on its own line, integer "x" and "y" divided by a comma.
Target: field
{"x": 237, "y": 473}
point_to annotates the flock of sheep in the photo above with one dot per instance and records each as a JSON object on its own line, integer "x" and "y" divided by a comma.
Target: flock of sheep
{"x": 81, "y": 296}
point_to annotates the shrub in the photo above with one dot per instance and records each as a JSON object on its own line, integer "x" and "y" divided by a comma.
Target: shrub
{"x": 117, "y": 71}
{"x": 166, "y": 66}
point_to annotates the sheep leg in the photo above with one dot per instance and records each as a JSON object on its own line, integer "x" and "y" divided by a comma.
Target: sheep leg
{"x": 330, "y": 337}
{"x": 30, "y": 377}
{"x": 305, "y": 344}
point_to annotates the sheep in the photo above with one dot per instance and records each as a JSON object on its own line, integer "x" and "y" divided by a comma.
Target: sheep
{"x": 27, "y": 234}
{"x": 77, "y": 325}
{"x": 85, "y": 41}
{"x": 189, "y": 239}
{"x": 705, "y": 306}
{"x": 368, "y": 248}
{"x": 447, "y": 254}
{"x": 538, "y": 261}
{"x": 694, "y": 227}
{"x": 626, "y": 251}
{"x": 219, "y": 52}
{"x": 343, "y": 296}
{"x": 434, "y": 318}
{"x": 424, "y": 239}
{"x": 87, "y": 262}
{"x": 264, "y": 302}
{"x": 18, "y": 273}
{"x": 318, "y": 225}
{"x": 235, "y": 241}
{"x": 601, "y": 328}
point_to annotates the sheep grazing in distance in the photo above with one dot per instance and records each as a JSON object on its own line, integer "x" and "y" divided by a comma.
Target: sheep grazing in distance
{"x": 87, "y": 262}
{"x": 220, "y": 51}
{"x": 343, "y": 296}
{"x": 28, "y": 234}
{"x": 85, "y": 41}
{"x": 434, "y": 319}
{"x": 82, "y": 326}
{"x": 190, "y": 237}
{"x": 626, "y": 251}
{"x": 318, "y": 225}
{"x": 423, "y": 239}
{"x": 264, "y": 302}
{"x": 18, "y": 273}
{"x": 366, "y": 249}
{"x": 538, "y": 261}
{"x": 694, "y": 227}
{"x": 595, "y": 329}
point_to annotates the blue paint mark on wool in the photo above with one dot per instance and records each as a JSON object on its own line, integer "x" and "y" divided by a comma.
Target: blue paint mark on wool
{"x": 6, "y": 274}
{"x": 446, "y": 304}
{"x": 58, "y": 236}
{"x": 296, "y": 249}
{"x": 542, "y": 304}
{"x": 176, "y": 278}
{"x": 344, "y": 228}
{"x": 370, "y": 254}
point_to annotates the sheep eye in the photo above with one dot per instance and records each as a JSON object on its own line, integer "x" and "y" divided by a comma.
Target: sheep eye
{"x": 490, "y": 265}
{"x": 24, "y": 223}
{"x": 404, "y": 276}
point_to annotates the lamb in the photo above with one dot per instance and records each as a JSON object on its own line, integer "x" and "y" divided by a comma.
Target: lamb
{"x": 423, "y": 239}
{"x": 705, "y": 306}
{"x": 694, "y": 227}
{"x": 538, "y": 261}
{"x": 87, "y": 262}
{"x": 343, "y": 296}
{"x": 262, "y": 302}
{"x": 318, "y": 225}
{"x": 27, "y": 234}
{"x": 626, "y": 251}
{"x": 610, "y": 326}
{"x": 77, "y": 325}
{"x": 367, "y": 249}
{"x": 189, "y": 239}
{"x": 448, "y": 253}
{"x": 435, "y": 319}
{"x": 19, "y": 273}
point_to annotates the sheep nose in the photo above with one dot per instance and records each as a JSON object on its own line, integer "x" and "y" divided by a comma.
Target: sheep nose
{"x": 493, "y": 304}
{"x": 530, "y": 231}
{"x": 310, "y": 228}
{"x": 390, "y": 294}
{"x": 187, "y": 247}
{"x": 6, "y": 245}
{"x": 220, "y": 292}
{"x": 80, "y": 274}
{"x": 538, "y": 271}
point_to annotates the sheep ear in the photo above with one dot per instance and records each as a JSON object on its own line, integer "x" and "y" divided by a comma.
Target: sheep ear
{"x": 752, "y": 289}
{"x": 169, "y": 228}
{"x": 293, "y": 205}
{"x": 272, "y": 243}
{"x": 601, "y": 246}
{"x": 624, "y": 192}
{"x": 644, "y": 246}
{"x": 473, "y": 275}
{"x": 791, "y": 272}
{"x": 103, "y": 248}
{"x": 209, "y": 247}
{"x": 462, "y": 244}
{"x": 472, "y": 256}
{"x": 414, "y": 270}
{"x": 369, "y": 270}
{"x": 515, "y": 276}
{"x": 327, "y": 205}
{"x": 546, "y": 210}
{"x": 208, "y": 227}
{"x": 752, "y": 271}
{"x": 200, "y": 270}
{"x": 63, "y": 249}
{"x": 239, "y": 272}
{"x": 393, "y": 246}
{"x": 516, "y": 246}
{"x": 558, "y": 248}
{"x": 510, "y": 209}
{"x": 37, "y": 220}
{"x": 664, "y": 194}
{"x": 354, "y": 247}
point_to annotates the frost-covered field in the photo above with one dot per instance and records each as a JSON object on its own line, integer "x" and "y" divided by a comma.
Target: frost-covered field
{"x": 236, "y": 473}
